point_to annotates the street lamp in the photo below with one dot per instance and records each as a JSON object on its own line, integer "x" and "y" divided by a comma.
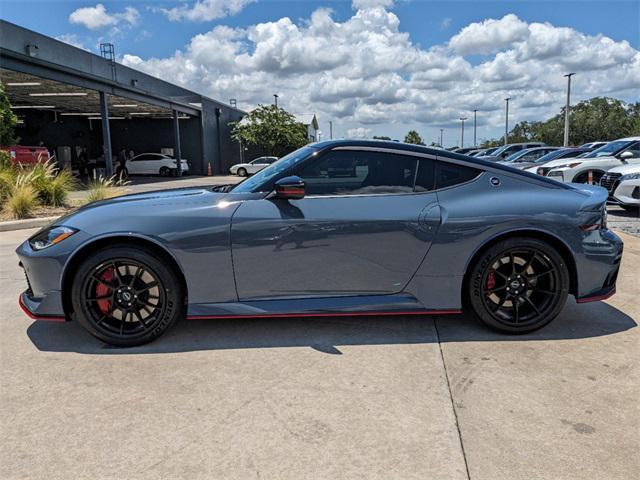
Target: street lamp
{"x": 506, "y": 121}
{"x": 441, "y": 130}
{"x": 566, "y": 110}
{"x": 475, "y": 112}
{"x": 275, "y": 95}
{"x": 462, "y": 137}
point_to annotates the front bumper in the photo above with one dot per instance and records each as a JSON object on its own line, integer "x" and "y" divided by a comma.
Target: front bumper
{"x": 35, "y": 307}
{"x": 627, "y": 193}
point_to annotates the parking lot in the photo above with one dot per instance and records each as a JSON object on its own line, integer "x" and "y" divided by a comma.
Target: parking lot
{"x": 402, "y": 397}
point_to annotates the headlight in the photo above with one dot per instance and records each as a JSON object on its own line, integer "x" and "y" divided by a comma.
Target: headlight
{"x": 574, "y": 164}
{"x": 630, "y": 176}
{"x": 50, "y": 236}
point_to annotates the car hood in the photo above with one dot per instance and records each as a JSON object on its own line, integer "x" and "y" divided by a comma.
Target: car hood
{"x": 626, "y": 169}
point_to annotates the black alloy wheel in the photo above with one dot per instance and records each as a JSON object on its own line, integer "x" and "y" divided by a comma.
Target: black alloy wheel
{"x": 126, "y": 296}
{"x": 519, "y": 285}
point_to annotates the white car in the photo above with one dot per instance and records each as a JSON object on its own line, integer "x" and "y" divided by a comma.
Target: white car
{"x": 254, "y": 166}
{"x": 623, "y": 184}
{"x": 155, "y": 164}
{"x": 591, "y": 167}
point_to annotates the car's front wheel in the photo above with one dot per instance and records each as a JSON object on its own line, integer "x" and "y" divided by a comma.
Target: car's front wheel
{"x": 242, "y": 172}
{"x": 126, "y": 296}
{"x": 518, "y": 285}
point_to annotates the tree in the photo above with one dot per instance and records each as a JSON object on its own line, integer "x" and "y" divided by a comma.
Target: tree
{"x": 381, "y": 137}
{"x": 413, "y": 137}
{"x": 8, "y": 120}
{"x": 599, "y": 118}
{"x": 271, "y": 129}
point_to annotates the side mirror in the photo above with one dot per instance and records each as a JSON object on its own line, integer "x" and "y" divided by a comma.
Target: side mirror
{"x": 625, "y": 155}
{"x": 504, "y": 154}
{"x": 292, "y": 188}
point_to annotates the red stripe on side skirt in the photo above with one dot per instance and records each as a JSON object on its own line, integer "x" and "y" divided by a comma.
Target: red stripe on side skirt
{"x": 596, "y": 299}
{"x": 30, "y": 314}
{"x": 327, "y": 314}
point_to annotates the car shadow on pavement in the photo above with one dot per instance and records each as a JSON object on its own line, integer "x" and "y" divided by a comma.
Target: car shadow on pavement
{"x": 327, "y": 335}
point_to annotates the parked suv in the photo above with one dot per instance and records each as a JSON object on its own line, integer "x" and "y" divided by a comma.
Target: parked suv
{"x": 590, "y": 167}
{"x": 509, "y": 149}
{"x": 623, "y": 184}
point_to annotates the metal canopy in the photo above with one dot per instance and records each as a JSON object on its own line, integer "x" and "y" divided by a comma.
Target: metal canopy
{"x": 30, "y": 92}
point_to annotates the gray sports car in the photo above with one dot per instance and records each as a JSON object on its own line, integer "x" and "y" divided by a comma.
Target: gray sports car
{"x": 334, "y": 228}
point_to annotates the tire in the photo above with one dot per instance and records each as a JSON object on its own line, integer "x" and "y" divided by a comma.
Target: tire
{"x": 242, "y": 172}
{"x": 518, "y": 297}
{"x": 164, "y": 171}
{"x": 99, "y": 298}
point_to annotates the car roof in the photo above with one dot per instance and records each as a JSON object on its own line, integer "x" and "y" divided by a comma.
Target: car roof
{"x": 627, "y": 139}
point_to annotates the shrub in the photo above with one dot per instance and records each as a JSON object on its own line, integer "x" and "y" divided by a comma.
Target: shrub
{"x": 22, "y": 199}
{"x": 56, "y": 189}
{"x": 101, "y": 188}
{"x": 52, "y": 185}
{"x": 8, "y": 176}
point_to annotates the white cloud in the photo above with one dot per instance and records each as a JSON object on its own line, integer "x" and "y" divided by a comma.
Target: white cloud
{"x": 71, "y": 39}
{"x": 365, "y": 71}
{"x": 489, "y": 36}
{"x": 359, "y": 132}
{"x": 206, "y": 10}
{"x": 445, "y": 23}
{"x": 97, "y": 17}
{"x": 364, "y": 4}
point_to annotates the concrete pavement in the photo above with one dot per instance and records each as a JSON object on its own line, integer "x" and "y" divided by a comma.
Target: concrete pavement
{"x": 397, "y": 398}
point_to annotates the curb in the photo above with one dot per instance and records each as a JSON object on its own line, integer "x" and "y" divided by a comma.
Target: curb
{"x": 24, "y": 224}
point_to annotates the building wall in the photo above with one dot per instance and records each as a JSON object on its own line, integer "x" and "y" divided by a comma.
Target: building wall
{"x": 218, "y": 131}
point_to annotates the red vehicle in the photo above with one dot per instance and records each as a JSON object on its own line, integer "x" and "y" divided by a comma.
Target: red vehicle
{"x": 27, "y": 155}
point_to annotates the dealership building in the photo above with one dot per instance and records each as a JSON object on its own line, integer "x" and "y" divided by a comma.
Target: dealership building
{"x": 71, "y": 100}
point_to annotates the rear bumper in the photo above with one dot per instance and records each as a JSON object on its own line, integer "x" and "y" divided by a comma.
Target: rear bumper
{"x": 598, "y": 267}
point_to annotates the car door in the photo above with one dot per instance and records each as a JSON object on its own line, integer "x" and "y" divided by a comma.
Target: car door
{"x": 363, "y": 231}
{"x": 140, "y": 164}
{"x": 257, "y": 165}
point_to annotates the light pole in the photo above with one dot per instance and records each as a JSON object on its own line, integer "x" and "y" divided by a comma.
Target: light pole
{"x": 506, "y": 121}
{"x": 331, "y": 129}
{"x": 441, "y": 130}
{"x": 475, "y": 118}
{"x": 462, "y": 135}
{"x": 566, "y": 109}
{"x": 275, "y": 95}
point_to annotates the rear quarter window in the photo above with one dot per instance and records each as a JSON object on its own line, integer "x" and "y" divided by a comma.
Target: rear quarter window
{"x": 449, "y": 174}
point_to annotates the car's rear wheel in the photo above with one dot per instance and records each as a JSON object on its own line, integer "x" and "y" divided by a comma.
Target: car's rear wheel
{"x": 164, "y": 171}
{"x": 242, "y": 172}
{"x": 126, "y": 296}
{"x": 518, "y": 285}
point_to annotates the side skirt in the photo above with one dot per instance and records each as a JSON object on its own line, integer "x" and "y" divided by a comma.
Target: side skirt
{"x": 373, "y": 305}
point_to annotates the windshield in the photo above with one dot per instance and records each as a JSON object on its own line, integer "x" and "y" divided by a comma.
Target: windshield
{"x": 514, "y": 156}
{"x": 273, "y": 170}
{"x": 609, "y": 149}
{"x": 550, "y": 156}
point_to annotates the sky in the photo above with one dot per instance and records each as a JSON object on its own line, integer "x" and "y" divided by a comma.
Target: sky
{"x": 371, "y": 67}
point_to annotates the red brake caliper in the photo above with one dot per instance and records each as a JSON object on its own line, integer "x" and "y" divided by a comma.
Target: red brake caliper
{"x": 491, "y": 281}
{"x": 102, "y": 290}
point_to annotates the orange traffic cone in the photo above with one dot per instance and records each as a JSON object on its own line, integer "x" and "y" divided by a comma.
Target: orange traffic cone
{"x": 209, "y": 169}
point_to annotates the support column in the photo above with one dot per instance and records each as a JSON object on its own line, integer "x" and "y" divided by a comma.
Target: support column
{"x": 106, "y": 135}
{"x": 176, "y": 143}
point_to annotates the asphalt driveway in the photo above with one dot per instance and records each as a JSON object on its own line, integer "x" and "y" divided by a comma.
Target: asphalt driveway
{"x": 387, "y": 398}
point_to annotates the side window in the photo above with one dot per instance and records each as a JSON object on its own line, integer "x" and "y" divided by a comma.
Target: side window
{"x": 448, "y": 174}
{"x": 634, "y": 148}
{"x": 141, "y": 158}
{"x": 426, "y": 177}
{"x": 346, "y": 172}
